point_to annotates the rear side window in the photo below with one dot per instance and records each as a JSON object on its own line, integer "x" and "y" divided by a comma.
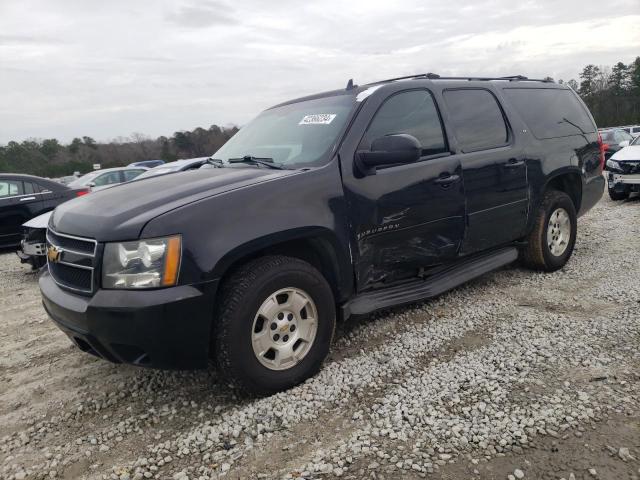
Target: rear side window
{"x": 413, "y": 112}
{"x": 476, "y": 118}
{"x": 550, "y": 112}
{"x": 10, "y": 188}
{"x": 107, "y": 179}
{"x": 131, "y": 174}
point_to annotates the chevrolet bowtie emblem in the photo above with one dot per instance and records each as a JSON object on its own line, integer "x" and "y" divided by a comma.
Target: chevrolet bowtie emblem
{"x": 53, "y": 254}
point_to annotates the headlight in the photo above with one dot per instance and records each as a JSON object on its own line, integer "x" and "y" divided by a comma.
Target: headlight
{"x": 613, "y": 164}
{"x": 148, "y": 263}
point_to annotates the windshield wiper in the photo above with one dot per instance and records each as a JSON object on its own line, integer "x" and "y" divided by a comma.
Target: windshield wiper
{"x": 264, "y": 161}
{"x": 216, "y": 162}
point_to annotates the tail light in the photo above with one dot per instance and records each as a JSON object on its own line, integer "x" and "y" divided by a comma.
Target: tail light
{"x": 80, "y": 193}
{"x": 603, "y": 148}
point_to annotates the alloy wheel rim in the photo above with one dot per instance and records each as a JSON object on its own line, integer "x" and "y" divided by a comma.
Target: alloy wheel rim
{"x": 284, "y": 328}
{"x": 558, "y": 232}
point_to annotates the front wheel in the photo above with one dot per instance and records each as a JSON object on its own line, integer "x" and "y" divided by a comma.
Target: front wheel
{"x": 274, "y": 324}
{"x": 550, "y": 243}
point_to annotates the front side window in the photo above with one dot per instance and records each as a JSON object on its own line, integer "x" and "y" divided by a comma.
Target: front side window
{"x": 476, "y": 119}
{"x": 9, "y": 188}
{"x": 414, "y": 113}
{"x": 294, "y": 135}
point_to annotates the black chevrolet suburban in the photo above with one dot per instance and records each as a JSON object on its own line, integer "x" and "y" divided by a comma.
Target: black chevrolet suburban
{"x": 327, "y": 206}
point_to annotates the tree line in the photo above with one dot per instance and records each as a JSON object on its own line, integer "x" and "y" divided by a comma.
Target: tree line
{"x": 50, "y": 158}
{"x": 611, "y": 93}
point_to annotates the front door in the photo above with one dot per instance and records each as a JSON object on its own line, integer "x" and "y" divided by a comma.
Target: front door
{"x": 405, "y": 218}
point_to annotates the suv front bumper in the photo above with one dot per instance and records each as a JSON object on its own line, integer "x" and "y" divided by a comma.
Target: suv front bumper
{"x": 167, "y": 328}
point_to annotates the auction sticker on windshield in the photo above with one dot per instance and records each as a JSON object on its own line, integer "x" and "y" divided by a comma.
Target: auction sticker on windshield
{"x": 318, "y": 119}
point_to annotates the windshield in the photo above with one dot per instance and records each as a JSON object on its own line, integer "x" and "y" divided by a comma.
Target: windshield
{"x": 295, "y": 135}
{"x": 83, "y": 180}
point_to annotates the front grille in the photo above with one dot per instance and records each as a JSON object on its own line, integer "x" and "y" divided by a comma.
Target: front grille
{"x": 630, "y": 168}
{"x": 73, "y": 261}
{"x": 72, "y": 277}
{"x": 74, "y": 244}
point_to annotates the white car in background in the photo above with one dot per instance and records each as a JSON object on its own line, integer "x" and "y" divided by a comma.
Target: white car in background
{"x": 623, "y": 171}
{"x": 107, "y": 177}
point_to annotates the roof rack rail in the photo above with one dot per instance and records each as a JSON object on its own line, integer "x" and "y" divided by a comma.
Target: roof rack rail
{"x": 434, "y": 76}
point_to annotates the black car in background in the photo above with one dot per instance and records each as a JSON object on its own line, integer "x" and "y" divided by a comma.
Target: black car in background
{"x": 23, "y": 197}
{"x": 614, "y": 139}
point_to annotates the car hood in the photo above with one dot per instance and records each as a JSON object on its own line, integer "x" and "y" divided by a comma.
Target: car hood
{"x": 631, "y": 152}
{"x": 120, "y": 212}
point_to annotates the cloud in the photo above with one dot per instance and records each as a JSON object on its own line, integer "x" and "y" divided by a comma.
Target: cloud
{"x": 203, "y": 15}
{"x": 106, "y": 69}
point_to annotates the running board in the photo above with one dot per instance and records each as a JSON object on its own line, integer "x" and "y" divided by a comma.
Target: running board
{"x": 435, "y": 285}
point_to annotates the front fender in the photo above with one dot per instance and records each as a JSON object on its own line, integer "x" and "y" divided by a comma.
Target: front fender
{"x": 218, "y": 231}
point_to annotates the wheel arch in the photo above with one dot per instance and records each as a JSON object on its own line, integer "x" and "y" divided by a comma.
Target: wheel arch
{"x": 317, "y": 246}
{"x": 567, "y": 181}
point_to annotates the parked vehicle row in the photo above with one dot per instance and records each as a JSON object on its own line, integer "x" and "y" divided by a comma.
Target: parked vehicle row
{"x": 32, "y": 247}
{"x": 332, "y": 205}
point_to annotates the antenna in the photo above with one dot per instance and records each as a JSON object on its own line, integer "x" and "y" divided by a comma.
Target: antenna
{"x": 350, "y": 85}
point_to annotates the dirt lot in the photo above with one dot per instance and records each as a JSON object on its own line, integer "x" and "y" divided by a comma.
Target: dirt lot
{"x": 518, "y": 373}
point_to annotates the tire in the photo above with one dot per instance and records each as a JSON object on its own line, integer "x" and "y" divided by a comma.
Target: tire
{"x": 251, "y": 290}
{"x": 614, "y": 195}
{"x": 538, "y": 254}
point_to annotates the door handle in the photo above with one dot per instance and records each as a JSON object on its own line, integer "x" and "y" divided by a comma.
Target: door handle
{"x": 447, "y": 180}
{"x": 26, "y": 199}
{"x": 514, "y": 163}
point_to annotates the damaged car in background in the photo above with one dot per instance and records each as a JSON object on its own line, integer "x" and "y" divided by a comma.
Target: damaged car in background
{"x": 623, "y": 171}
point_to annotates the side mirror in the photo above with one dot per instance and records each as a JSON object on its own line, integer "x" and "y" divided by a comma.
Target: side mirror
{"x": 91, "y": 184}
{"x": 623, "y": 144}
{"x": 397, "y": 149}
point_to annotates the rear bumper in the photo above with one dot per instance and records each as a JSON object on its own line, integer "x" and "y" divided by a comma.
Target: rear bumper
{"x": 592, "y": 191}
{"x": 167, "y": 328}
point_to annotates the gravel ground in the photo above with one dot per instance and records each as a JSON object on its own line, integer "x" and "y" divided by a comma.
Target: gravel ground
{"x": 516, "y": 375}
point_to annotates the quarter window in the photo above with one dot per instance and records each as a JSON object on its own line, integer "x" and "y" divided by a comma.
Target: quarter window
{"x": 550, "y": 112}
{"x": 476, "y": 118}
{"x": 414, "y": 113}
{"x": 30, "y": 188}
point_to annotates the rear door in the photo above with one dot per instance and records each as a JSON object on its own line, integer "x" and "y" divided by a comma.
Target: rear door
{"x": 493, "y": 167}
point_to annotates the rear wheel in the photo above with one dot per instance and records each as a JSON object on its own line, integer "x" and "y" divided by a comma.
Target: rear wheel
{"x": 274, "y": 324}
{"x": 619, "y": 195}
{"x": 550, "y": 243}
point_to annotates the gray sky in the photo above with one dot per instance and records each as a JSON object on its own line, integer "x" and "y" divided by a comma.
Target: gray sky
{"x": 110, "y": 68}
